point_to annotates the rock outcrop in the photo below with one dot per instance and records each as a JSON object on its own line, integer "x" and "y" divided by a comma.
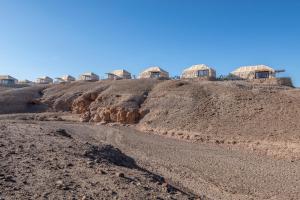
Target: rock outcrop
{"x": 104, "y": 102}
{"x": 119, "y": 114}
{"x": 91, "y": 110}
{"x": 82, "y": 103}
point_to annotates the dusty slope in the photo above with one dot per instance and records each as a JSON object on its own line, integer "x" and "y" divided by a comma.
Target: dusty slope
{"x": 42, "y": 161}
{"x": 221, "y": 108}
{"x": 256, "y": 116}
{"x": 3, "y": 88}
{"x": 20, "y": 100}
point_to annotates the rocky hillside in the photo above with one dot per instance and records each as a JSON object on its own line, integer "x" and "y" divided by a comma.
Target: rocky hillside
{"x": 108, "y": 101}
{"x": 220, "y": 112}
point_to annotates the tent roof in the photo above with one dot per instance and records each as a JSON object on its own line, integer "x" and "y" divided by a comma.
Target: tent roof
{"x": 67, "y": 76}
{"x": 253, "y": 68}
{"x": 25, "y": 81}
{"x": 154, "y": 69}
{"x": 119, "y": 72}
{"x": 197, "y": 67}
{"x": 89, "y": 74}
{"x": 7, "y": 77}
{"x": 44, "y": 77}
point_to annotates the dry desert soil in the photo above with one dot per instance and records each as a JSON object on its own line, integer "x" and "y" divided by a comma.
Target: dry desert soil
{"x": 150, "y": 139}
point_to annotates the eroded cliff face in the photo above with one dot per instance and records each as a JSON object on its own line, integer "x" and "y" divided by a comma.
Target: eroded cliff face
{"x": 82, "y": 103}
{"x": 105, "y": 101}
{"x": 92, "y": 108}
{"x": 117, "y": 114}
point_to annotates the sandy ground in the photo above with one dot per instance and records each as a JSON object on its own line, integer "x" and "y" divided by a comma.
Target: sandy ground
{"x": 34, "y": 158}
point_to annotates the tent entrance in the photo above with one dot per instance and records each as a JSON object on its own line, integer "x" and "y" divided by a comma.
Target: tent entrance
{"x": 202, "y": 73}
{"x": 155, "y": 75}
{"x": 7, "y": 82}
{"x": 262, "y": 74}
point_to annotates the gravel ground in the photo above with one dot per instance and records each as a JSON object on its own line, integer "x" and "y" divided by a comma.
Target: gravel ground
{"x": 36, "y": 156}
{"x": 44, "y": 161}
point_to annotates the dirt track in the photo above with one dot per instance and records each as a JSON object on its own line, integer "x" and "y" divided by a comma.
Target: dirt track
{"x": 200, "y": 168}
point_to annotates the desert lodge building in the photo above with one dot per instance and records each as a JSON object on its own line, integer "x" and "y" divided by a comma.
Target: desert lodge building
{"x": 7, "y": 80}
{"x": 44, "y": 80}
{"x": 154, "y": 72}
{"x": 65, "y": 79}
{"x": 118, "y": 74}
{"x": 68, "y": 78}
{"x": 255, "y": 72}
{"x": 89, "y": 76}
{"x": 200, "y": 71}
{"x": 25, "y": 82}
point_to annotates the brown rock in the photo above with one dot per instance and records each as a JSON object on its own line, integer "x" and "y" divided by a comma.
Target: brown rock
{"x": 59, "y": 184}
{"x": 120, "y": 174}
{"x": 85, "y": 117}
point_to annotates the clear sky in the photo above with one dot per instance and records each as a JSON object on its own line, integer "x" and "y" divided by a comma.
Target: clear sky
{"x": 57, "y": 37}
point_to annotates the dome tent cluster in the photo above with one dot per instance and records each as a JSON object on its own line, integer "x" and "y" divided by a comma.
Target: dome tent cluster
{"x": 199, "y": 71}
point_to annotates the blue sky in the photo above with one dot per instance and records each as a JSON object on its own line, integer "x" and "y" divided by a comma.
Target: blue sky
{"x": 56, "y": 37}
